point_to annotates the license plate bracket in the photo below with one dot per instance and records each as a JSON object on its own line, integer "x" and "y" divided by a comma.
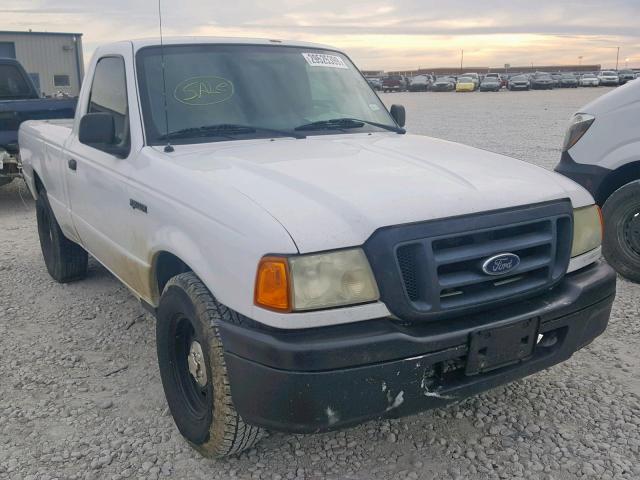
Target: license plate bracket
{"x": 498, "y": 347}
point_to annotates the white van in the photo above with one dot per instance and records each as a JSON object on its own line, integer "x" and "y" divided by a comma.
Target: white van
{"x": 602, "y": 153}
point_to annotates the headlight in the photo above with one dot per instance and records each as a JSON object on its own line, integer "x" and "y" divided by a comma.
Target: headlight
{"x": 309, "y": 282}
{"x": 579, "y": 125}
{"x": 587, "y": 230}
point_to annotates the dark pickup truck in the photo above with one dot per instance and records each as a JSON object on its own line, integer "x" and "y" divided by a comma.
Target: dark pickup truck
{"x": 20, "y": 101}
{"x": 394, "y": 83}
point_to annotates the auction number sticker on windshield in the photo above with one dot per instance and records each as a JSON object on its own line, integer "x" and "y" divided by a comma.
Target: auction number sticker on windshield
{"x": 324, "y": 60}
{"x": 205, "y": 90}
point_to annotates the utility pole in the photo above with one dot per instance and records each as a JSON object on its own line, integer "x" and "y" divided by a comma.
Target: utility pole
{"x": 580, "y": 60}
{"x": 617, "y": 58}
{"x": 461, "y": 59}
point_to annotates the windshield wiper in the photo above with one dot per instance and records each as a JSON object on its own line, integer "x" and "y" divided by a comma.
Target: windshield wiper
{"x": 226, "y": 130}
{"x": 346, "y": 123}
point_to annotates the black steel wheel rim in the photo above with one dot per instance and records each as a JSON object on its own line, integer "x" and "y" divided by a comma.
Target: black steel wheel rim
{"x": 196, "y": 399}
{"x": 631, "y": 230}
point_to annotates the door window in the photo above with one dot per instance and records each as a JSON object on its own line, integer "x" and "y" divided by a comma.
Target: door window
{"x": 109, "y": 95}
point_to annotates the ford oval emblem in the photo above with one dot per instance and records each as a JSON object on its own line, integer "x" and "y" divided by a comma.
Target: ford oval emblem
{"x": 501, "y": 264}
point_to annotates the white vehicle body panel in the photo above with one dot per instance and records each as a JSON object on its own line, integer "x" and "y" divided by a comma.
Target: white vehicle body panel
{"x": 220, "y": 207}
{"x": 613, "y": 139}
{"x": 334, "y": 191}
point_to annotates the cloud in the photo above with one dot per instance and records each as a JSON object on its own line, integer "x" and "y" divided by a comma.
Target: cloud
{"x": 376, "y": 33}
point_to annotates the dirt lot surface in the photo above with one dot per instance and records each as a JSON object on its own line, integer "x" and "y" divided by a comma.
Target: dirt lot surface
{"x": 80, "y": 392}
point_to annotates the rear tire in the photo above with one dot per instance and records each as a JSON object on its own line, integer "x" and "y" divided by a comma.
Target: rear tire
{"x": 621, "y": 245}
{"x": 66, "y": 261}
{"x": 198, "y": 391}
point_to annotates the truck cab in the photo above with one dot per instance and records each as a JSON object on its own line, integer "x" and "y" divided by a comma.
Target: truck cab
{"x": 310, "y": 264}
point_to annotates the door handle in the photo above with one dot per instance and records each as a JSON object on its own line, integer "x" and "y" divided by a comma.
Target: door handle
{"x": 73, "y": 165}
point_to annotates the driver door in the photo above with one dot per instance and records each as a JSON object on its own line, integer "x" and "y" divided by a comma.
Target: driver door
{"x": 97, "y": 174}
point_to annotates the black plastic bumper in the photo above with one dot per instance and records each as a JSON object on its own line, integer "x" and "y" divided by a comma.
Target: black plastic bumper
{"x": 328, "y": 378}
{"x": 589, "y": 176}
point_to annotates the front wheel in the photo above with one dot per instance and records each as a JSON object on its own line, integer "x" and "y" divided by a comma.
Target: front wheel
{"x": 621, "y": 245}
{"x": 194, "y": 372}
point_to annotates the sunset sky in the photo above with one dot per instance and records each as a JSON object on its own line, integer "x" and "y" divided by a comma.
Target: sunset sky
{"x": 377, "y": 34}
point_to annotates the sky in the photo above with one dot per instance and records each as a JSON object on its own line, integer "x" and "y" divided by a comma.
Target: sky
{"x": 376, "y": 34}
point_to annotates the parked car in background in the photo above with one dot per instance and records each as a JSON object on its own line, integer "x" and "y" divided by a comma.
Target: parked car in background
{"x": 519, "y": 82}
{"x": 609, "y": 78}
{"x": 473, "y": 76}
{"x": 497, "y": 76}
{"x": 394, "y": 83}
{"x": 568, "y": 80}
{"x": 443, "y": 84}
{"x": 465, "y": 84}
{"x": 490, "y": 84}
{"x": 420, "y": 83}
{"x": 625, "y": 76}
{"x": 375, "y": 82}
{"x": 305, "y": 282}
{"x": 602, "y": 153}
{"x": 541, "y": 81}
{"x": 589, "y": 80}
{"x": 556, "y": 77}
{"x": 20, "y": 101}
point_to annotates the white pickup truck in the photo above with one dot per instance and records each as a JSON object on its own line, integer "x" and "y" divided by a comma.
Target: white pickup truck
{"x": 310, "y": 264}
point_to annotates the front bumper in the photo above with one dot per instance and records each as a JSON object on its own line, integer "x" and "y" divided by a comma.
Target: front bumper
{"x": 327, "y": 378}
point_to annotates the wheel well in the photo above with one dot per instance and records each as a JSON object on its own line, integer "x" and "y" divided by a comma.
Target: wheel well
{"x": 167, "y": 266}
{"x": 616, "y": 179}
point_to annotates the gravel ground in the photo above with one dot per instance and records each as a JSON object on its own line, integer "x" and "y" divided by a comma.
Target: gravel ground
{"x": 80, "y": 392}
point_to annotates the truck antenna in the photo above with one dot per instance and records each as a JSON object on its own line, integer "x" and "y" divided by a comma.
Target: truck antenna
{"x": 167, "y": 148}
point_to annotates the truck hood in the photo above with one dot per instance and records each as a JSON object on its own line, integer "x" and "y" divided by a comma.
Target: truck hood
{"x": 334, "y": 191}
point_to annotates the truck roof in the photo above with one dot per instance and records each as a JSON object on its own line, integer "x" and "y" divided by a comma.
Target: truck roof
{"x": 155, "y": 41}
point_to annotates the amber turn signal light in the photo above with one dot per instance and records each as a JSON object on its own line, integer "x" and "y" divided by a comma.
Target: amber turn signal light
{"x": 601, "y": 221}
{"x": 272, "y": 284}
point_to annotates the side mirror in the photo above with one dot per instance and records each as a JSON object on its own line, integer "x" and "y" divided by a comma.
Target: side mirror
{"x": 398, "y": 114}
{"x": 97, "y": 129}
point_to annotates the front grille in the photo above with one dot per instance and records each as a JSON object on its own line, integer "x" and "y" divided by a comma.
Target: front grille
{"x": 439, "y": 263}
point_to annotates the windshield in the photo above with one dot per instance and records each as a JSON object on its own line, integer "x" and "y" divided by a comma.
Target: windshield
{"x": 12, "y": 83}
{"x": 258, "y": 87}
{"x": 465, "y": 80}
{"x": 519, "y": 78}
{"x": 588, "y": 75}
{"x": 608, "y": 73}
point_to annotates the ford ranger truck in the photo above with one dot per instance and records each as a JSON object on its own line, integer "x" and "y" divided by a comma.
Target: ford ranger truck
{"x": 310, "y": 264}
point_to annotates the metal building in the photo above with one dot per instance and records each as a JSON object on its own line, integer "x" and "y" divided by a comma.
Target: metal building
{"x": 53, "y": 60}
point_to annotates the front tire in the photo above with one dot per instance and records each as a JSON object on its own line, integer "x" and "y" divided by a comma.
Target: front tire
{"x": 66, "y": 261}
{"x": 621, "y": 245}
{"x": 193, "y": 369}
